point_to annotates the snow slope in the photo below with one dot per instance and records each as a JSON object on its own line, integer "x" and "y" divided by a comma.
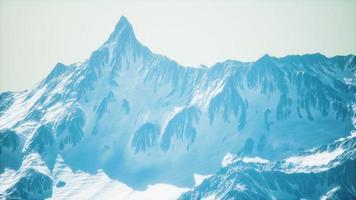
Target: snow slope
{"x": 326, "y": 172}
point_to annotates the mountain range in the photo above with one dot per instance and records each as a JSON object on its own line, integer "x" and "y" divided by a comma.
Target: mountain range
{"x": 131, "y": 122}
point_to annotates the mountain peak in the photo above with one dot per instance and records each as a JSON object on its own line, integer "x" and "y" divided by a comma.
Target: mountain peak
{"x": 123, "y": 31}
{"x": 123, "y": 24}
{"x": 266, "y": 56}
{"x": 265, "y": 59}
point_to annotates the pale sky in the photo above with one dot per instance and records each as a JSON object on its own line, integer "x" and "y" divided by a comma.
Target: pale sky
{"x": 36, "y": 34}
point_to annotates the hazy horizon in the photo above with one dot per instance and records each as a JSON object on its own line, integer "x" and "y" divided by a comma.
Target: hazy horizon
{"x": 35, "y": 35}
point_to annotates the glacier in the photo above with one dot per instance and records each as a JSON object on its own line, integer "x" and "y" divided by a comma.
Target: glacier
{"x": 128, "y": 123}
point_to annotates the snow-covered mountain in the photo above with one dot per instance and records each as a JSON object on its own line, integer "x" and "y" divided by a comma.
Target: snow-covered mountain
{"x": 133, "y": 118}
{"x": 326, "y": 172}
